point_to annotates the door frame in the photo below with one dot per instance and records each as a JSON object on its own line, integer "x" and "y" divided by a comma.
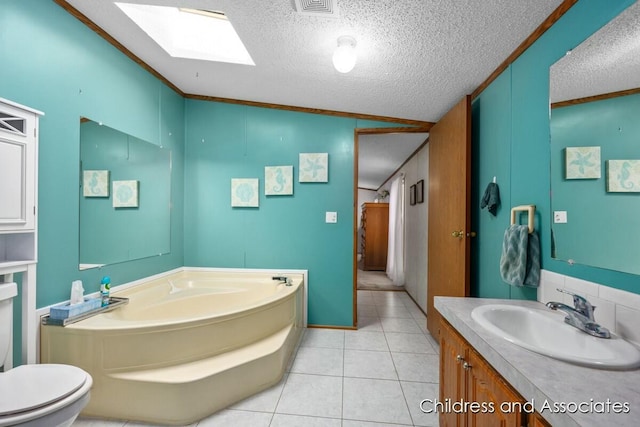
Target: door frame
{"x": 356, "y": 134}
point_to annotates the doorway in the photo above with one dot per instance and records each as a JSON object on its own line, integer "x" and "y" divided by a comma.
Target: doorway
{"x": 373, "y": 149}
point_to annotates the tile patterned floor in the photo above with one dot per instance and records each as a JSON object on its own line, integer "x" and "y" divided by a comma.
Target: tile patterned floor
{"x": 373, "y": 377}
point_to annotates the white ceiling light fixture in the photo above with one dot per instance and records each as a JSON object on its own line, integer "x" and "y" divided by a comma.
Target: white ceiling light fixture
{"x": 344, "y": 57}
{"x": 190, "y": 33}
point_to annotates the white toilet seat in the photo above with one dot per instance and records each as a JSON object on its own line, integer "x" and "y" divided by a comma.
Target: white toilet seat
{"x": 30, "y": 391}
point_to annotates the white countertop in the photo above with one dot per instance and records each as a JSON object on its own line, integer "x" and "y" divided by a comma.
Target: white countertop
{"x": 546, "y": 381}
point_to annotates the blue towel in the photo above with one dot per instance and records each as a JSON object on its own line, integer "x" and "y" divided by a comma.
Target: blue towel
{"x": 491, "y": 198}
{"x": 520, "y": 260}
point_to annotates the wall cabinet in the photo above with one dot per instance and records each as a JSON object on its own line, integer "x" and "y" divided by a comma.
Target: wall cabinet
{"x": 18, "y": 216}
{"x": 466, "y": 377}
{"x": 375, "y": 235}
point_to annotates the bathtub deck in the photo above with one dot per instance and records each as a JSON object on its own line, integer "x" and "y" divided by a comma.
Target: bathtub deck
{"x": 160, "y": 395}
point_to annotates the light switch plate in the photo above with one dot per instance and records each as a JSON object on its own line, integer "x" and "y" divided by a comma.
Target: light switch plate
{"x": 560, "y": 217}
{"x": 331, "y": 217}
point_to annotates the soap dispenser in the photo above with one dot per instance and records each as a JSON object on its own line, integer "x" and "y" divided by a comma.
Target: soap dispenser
{"x": 105, "y": 285}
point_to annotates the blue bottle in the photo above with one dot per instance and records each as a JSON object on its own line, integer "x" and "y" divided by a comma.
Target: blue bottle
{"x": 105, "y": 285}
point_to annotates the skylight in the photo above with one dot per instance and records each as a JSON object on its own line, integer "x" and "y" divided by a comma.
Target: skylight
{"x": 190, "y": 33}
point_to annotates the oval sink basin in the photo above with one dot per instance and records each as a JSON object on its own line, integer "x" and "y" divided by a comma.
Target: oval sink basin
{"x": 545, "y": 332}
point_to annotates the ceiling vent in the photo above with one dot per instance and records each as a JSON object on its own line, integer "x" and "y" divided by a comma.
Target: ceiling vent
{"x": 328, "y": 8}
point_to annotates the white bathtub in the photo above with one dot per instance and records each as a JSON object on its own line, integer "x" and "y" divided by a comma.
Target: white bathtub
{"x": 186, "y": 345}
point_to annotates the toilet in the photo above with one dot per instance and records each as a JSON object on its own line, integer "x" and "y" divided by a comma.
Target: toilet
{"x": 45, "y": 395}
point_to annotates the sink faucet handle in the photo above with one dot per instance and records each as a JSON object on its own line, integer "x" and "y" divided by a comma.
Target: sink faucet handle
{"x": 580, "y": 303}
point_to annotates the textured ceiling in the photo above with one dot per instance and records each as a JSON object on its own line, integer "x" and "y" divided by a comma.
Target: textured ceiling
{"x": 379, "y": 156}
{"x": 608, "y": 61}
{"x": 416, "y": 58}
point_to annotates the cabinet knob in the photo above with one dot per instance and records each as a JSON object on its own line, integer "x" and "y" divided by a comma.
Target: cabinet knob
{"x": 459, "y": 358}
{"x": 466, "y": 366}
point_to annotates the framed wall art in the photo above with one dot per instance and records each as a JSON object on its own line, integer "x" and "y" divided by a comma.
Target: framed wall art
{"x": 125, "y": 194}
{"x": 623, "y": 176}
{"x": 244, "y": 192}
{"x": 420, "y": 191}
{"x": 95, "y": 183}
{"x": 313, "y": 167}
{"x": 278, "y": 180}
{"x": 582, "y": 163}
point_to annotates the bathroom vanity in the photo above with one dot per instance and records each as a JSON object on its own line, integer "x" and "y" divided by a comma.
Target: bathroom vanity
{"x": 478, "y": 367}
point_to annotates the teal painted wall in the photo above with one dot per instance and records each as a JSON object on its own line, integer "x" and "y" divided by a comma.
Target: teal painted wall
{"x": 225, "y": 141}
{"x": 512, "y": 143}
{"x": 491, "y": 156}
{"x": 597, "y": 219}
{"x": 54, "y": 63}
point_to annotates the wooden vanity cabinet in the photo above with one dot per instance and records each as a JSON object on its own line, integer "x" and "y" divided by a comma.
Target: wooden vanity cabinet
{"x": 466, "y": 377}
{"x": 375, "y": 235}
{"x": 453, "y": 350}
{"x": 536, "y": 420}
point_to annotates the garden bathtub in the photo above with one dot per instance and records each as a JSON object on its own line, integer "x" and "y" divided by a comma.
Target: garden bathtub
{"x": 186, "y": 345}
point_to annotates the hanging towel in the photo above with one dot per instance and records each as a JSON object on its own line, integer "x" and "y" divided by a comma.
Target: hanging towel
{"x": 491, "y": 198}
{"x": 520, "y": 260}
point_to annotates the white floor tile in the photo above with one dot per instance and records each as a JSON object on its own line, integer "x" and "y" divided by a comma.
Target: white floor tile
{"x": 232, "y": 417}
{"x": 417, "y": 367}
{"x": 351, "y": 423}
{"x": 409, "y": 343}
{"x": 423, "y": 326}
{"x": 369, "y": 324}
{"x": 369, "y": 364}
{"x": 367, "y": 311}
{"x": 365, "y": 340}
{"x": 365, "y": 299}
{"x": 393, "y": 311}
{"x": 375, "y": 400}
{"x": 418, "y": 315}
{"x": 414, "y": 393}
{"x": 319, "y": 361}
{"x": 435, "y": 344}
{"x": 329, "y": 338}
{"x": 388, "y": 302}
{"x": 400, "y": 325}
{"x": 313, "y": 395}
{"x": 264, "y": 401}
{"x": 282, "y": 420}
{"x": 92, "y": 422}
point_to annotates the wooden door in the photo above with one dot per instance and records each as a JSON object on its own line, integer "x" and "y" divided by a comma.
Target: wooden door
{"x": 449, "y": 209}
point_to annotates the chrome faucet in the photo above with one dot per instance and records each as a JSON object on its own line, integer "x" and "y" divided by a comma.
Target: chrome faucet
{"x": 283, "y": 279}
{"x": 580, "y": 315}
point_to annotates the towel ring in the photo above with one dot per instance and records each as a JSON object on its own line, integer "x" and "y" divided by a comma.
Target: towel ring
{"x": 530, "y": 209}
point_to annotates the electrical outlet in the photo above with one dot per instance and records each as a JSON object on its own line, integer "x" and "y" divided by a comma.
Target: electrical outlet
{"x": 331, "y": 217}
{"x": 560, "y": 217}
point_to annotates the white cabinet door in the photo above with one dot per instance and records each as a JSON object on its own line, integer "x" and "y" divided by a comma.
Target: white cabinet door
{"x": 17, "y": 168}
{"x": 13, "y": 191}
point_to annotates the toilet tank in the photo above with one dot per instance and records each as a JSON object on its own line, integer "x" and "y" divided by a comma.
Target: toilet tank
{"x": 7, "y": 292}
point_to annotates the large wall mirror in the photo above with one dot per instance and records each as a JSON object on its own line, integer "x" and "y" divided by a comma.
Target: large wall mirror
{"x": 125, "y": 198}
{"x": 595, "y": 148}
